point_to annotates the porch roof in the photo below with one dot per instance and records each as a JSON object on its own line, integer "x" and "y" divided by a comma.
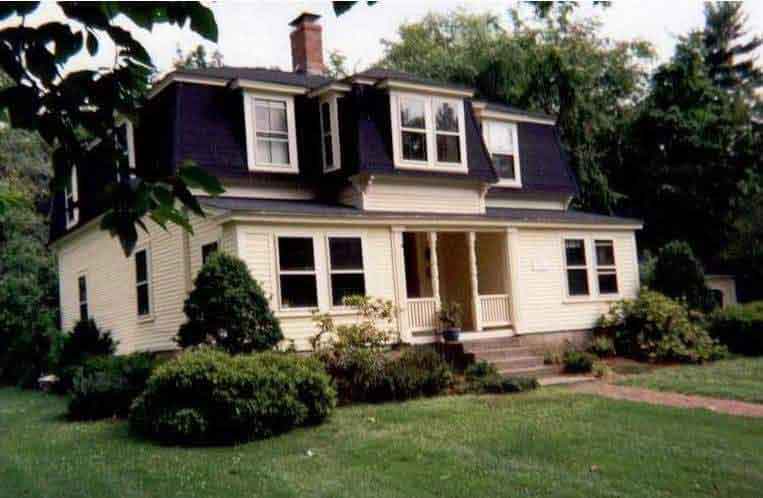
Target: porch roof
{"x": 316, "y": 209}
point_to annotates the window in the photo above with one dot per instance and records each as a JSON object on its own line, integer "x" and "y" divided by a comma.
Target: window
{"x": 577, "y": 269}
{"x": 82, "y": 286}
{"x": 606, "y": 271}
{"x": 502, "y": 142}
{"x": 329, "y": 114}
{"x": 346, "y": 268}
{"x": 142, "y": 282}
{"x": 271, "y": 134}
{"x": 428, "y": 132}
{"x": 447, "y": 132}
{"x": 125, "y": 143}
{"x": 71, "y": 199}
{"x": 296, "y": 268}
{"x": 207, "y": 250}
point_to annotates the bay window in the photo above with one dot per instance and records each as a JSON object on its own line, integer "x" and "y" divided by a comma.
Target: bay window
{"x": 296, "y": 273}
{"x": 428, "y": 132}
{"x": 347, "y": 277}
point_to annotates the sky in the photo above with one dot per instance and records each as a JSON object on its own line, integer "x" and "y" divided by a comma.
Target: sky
{"x": 257, "y": 33}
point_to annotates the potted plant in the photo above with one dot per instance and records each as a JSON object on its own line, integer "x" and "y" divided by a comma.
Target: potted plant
{"x": 450, "y": 320}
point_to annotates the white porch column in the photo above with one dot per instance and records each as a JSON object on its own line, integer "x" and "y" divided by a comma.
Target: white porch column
{"x": 476, "y": 305}
{"x": 434, "y": 269}
{"x": 398, "y": 275}
{"x": 512, "y": 277}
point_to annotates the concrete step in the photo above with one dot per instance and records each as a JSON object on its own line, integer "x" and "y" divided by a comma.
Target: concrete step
{"x": 488, "y": 344}
{"x": 537, "y": 371}
{"x": 518, "y": 362}
{"x": 503, "y": 353}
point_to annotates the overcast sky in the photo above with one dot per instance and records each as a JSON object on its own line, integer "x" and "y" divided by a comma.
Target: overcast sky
{"x": 257, "y": 33}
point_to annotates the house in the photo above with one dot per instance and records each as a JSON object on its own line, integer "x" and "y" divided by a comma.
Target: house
{"x": 381, "y": 183}
{"x": 723, "y": 287}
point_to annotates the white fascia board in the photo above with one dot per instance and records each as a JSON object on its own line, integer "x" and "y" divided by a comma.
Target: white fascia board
{"x": 171, "y": 78}
{"x": 513, "y": 117}
{"x": 422, "y": 88}
{"x": 330, "y": 88}
{"x": 262, "y": 86}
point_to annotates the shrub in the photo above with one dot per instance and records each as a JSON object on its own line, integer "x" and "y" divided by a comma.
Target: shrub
{"x": 578, "y": 362}
{"x": 417, "y": 372}
{"x": 85, "y": 341}
{"x": 105, "y": 386}
{"x": 601, "y": 370}
{"x": 739, "y": 327}
{"x": 602, "y": 346}
{"x": 354, "y": 354}
{"x": 497, "y": 384}
{"x": 656, "y": 328}
{"x": 228, "y": 308}
{"x": 679, "y": 275}
{"x": 206, "y": 396}
{"x": 479, "y": 370}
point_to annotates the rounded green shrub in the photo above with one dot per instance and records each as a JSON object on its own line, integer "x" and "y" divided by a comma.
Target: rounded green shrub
{"x": 86, "y": 340}
{"x": 578, "y": 362}
{"x": 679, "y": 275}
{"x": 105, "y": 386}
{"x": 479, "y": 370}
{"x": 654, "y": 327}
{"x": 206, "y": 396}
{"x": 416, "y": 372}
{"x": 739, "y": 327}
{"x": 602, "y": 346}
{"x": 228, "y": 308}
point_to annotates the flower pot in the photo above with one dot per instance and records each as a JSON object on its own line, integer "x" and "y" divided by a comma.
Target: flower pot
{"x": 450, "y": 335}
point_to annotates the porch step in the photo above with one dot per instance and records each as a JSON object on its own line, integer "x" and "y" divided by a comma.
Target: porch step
{"x": 537, "y": 371}
{"x": 518, "y": 362}
{"x": 474, "y": 345}
{"x": 502, "y": 353}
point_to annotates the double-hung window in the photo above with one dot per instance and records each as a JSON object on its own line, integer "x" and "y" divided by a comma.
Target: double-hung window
{"x": 606, "y": 270}
{"x": 428, "y": 132}
{"x": 329, "y": 116}
{"x": 296, "y": 273}
{"x": 71, "y": 199}
{"x": 502, "y": 142}
{"x": 82, "y": 288}
{"x": 346, "y": 268}
{"x": 124, "y": 137}
{"x": 576, "y": 267}
{"x": 143, "y": 282}
{"x": 271, "y": 134}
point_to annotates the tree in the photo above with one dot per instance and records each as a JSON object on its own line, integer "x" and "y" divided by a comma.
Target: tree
{"x": 729, "y": 59}
{"x": 550, "y": 64}
{"x": 679, "y": 274}
{"x": 72, "y": 109}
{"x": 228, "y": 308}
{"x": 337, "y": 67}
{"x": 197, "y": 58}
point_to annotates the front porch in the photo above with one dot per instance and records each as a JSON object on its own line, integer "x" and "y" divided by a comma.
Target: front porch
{"x": 469, "y": 267}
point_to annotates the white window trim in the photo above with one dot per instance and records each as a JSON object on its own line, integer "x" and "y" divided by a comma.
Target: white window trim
{"x": 333, "y": 101}
{"x": 149, "y": 282}
{"x": 251, "y": 140}
{"x": 340, "y": 235}
{"x": 591, "y": 270}
{"x": 505, "y": 182}
{"x": 71, "y": 198}
{"x": 606, "y": 269}
{"x": 86, "y": 302}
{"x": 279, "y": 272}
{"x": 431, "y": 164}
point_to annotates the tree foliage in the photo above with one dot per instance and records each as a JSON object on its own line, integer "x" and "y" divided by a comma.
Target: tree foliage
{"x": 73, "y": 109}
{"x": 228, "y": 308}
{"x": 197, "y": 58}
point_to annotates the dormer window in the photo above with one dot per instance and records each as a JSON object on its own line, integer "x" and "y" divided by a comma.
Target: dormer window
{"x": 71, "y": 199}
{"x": 502, "y": 141}
{"x": 271, "y": 136}
{"x": 428, "y": 132}
{"x": 329, "y": 116}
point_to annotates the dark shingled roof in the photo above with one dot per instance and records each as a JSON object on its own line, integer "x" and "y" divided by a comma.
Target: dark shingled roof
{"x": 305, "y": 80}
{"x": 378, "y": 73}
{"x": 319, "y": 209}
{"x": 500, "y": 107}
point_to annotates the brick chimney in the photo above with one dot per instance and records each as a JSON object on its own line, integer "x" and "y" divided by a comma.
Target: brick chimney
{"x": 307, "y": 44}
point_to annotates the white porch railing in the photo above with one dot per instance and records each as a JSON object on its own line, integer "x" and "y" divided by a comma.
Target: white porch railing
{"x": 495, "y": 310}
{"x": 422, "y": 314}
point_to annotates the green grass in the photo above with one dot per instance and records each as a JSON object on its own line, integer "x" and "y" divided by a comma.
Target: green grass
{"x": 740, "y": 379}
{"x": 550, "y": 443}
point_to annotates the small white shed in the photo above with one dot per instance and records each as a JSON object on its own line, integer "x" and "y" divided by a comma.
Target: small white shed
{"x": 724, "y": 286}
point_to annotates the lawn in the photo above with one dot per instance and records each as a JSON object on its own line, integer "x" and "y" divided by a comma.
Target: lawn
{"x": 740, "y": 379}
{"x": 550, "y": 443}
